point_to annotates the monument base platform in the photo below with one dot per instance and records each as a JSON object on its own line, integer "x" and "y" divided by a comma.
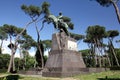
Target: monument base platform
{"x": 63, "y": 63}
{"x": 69, "y": 74}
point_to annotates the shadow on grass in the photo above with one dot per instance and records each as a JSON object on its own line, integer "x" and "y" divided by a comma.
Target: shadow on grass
{"x": 13, "y": 77}
{"x": 106, "y": 78}
{"x": 109, "y": 79}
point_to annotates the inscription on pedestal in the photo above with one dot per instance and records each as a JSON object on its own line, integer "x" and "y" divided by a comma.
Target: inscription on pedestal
{"x": 72, "y": 45}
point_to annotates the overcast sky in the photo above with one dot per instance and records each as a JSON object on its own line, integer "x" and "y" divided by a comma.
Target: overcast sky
{"x": 83, "y": 13}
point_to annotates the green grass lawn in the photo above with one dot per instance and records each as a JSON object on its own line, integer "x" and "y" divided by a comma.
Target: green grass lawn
{"x": 110, "y": 75}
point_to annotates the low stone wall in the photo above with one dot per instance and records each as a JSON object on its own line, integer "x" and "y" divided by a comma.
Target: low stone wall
{"x": 92, "y": 70}
{"x": 31, "y": 72}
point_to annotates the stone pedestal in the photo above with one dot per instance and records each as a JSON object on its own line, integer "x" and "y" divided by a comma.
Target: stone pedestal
{"x": 64, "y": 60}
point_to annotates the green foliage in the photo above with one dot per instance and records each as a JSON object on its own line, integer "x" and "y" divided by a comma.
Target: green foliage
{"x": 45, "y": 58}
{"x": 30, "y": 62}
{"x": 45, "y": 7}
{"x": 47, "y": 44}
{"x": 87, "y": 40}
{"x": 19, "y": 30}
{"x": 112, "y": 33}
{"x": 3, "y": 34}
{"x": 17, "y": 62}
{"x": 95, "y": 32}
{"x": 95, "y": 35}
{"x": 111, "y": 50}
{"x": 88, "y": 58}
{"x": 3, "y": 70}
{"x": 106, "y": 3}
{"x": 26, "y": 62}
{"x": 27, "y": 42}
{"x": 118, "y": 54}
{"x": 34, "y": 11}
{"x": 4, "y": 61}
{"x": 111, "y": 55}
{"x": 12, "y": 30}
{"x": 31, "y": 10}
{"x": 115, "y": 68}
{"x": 77, "y": 36}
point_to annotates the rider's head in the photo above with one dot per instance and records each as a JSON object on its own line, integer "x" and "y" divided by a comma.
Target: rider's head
{"x": 60, "y": 13}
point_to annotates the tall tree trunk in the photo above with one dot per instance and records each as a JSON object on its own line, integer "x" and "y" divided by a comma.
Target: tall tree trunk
{"x": 1, "y": 47}
{"x": 100, "y": 48}
{"x": 97, "y": 58}
{"x": 100, "y": 57}
{"x": 113, "y": 51}
{"x": 90, "y": 56}
{"x": 11, "y": 63}
{"x": 116, "y": 10}
{"x": 108, "y": 59}
{"x": 111, "y": 55}
{"x": 39, "y": 46}
{"x": 93, "y": 57}
{"x": 25, "y": 55}
{"x": 115, "y": 56}
{"x": 35, "y": 64}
